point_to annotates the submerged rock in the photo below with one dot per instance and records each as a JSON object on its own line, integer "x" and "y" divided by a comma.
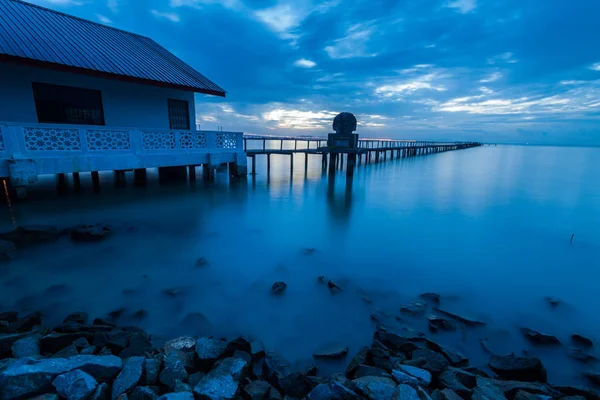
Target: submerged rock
{"x": 415, "y": 308}
{"x": 222, "y": 383}
{"x": 25, "y": 236}
{"x": 429, "y": 360}
{"x": 278, "y": 288}
{"x": 539, "y": 338}
{"x": 333, "y": 288}
{"x": 75, "y": 385}
{"x": 334, "y": 353}
{"x": 433, "y": 298}
{"x": 525, "y": 369}
{"x": 464, "y": 320}
{"x": 552, "y": 302}
{"x": 581, "y": 341}
{"x": 455, "y": 358}
{"x": 90, "y": 233}
{"x": 581, "y": 356}
{"x": 441, "y": 324}
{"x": 201, "y": 262}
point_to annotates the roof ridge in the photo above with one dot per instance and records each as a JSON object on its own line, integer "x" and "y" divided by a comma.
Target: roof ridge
{"x": 25, "y": 3}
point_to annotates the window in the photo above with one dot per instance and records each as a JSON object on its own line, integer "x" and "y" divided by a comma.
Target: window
{"x": 67, "y": 105}
{"x": 179, "y": 114}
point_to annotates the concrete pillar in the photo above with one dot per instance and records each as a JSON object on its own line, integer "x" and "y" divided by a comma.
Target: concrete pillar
{"x": 76, "y": 182}
{"x": 207, "y": 172}
{"x": 240, "y": 167}
{"x": 351, "y": 164}
{"x": 140, "y": 177}
{"x": 292, "y": 163}
{"x": 305, "y": 163}
{"x": 324, "y": 162}
{"x": 172, "y": 174}
{"x": 95, "y": 181}
{"x": 119, "y": 178}
{"x": 268, "y": 163}
{"x": 332, "y": 163}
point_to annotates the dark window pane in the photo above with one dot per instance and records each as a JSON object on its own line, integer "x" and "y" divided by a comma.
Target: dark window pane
{"x": 67, "y": 105}
{"x": 179, "y": 114}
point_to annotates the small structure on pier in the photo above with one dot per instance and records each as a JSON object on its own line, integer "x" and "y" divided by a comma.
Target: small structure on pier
{"x": 344, "y": 124}
{"x": 78, "y": 96}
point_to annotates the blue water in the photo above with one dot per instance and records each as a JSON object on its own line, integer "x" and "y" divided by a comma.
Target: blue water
{"x": 488, "y": 228}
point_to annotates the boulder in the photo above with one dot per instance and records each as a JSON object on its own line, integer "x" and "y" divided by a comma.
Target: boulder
{"x": 182, "y": 387}
{"x": 55, "y": 342}
{"x": 486, "y": 390}
{"x": 222, "y": 383}
{"x": 177, "y": 396}
{"x": 295, "y": 385}
{"x": 7, "y": 340}
{"x": 423, "y": 395}
{"x": 578, "y": 391}
{"x": 194, "y": 378}
{"x": 459, "y": 381}
{"x": 405, "y": 392}
{"x": 129, "y": 377}
{"x": 173, "y": 370}
{"x": 209, "y": 350}
{"x": 432, "y": 298}
{"x": 28, "y": 346}
{"x": 77, "y": 317}
{"x": 592, "y": 377}
{"x": 9, "y": 316}
{"x": 27, "y": 323}
{"x": 333, "y": 288}
{"x": 374, "y": 387}
{"x": 151, "y": 370}
{"x": 8, "y": 250}
{"x": 581, "y": 356}
{"x": 429, "y": 360}
{"x": 463, "y": 320}
{"x": 138, "y": 345}
{"x": 404, "y": 378}
{"x": 90, "y": 233}
{"x": 278, "y": 288}
{"x": 81, "y": 343}
{"x": 366, "y": 370}
{"x": 455, "y": 358}
{"x": 523, "y": 395}
{"x": 332, "y": 391}
{"x": 275, "y": 368}
{"x": 142, "y": 393}
{"x": 525, "y": 369}
{"x": 423, "y": 377}
{"x": 552, "y": 302}
{"x": 581, "y": 341}
{"x": 437, "y": 324}
{"x": 238, "y": 344}
{"x": 25, "y": 236}
{"x": 47, "y": 396}
{"x": 333, "y": 353}
{"x": 69, "y": 351}
{"x": 445, "y": 394}
{"x": 257, "y": 350}
{"x": 257, "y": 390}
{"x": 415, "y": 308}
{"x": 117, "y": 341}
{"x": 510, "y": 388}
{"x": 75, "y": 385}
{"x": 183, "y": 343}
{"x": 539, "y": 338}
{"x": 102, "y": 392}
{"x": 201, "y": 262}
{"x": 398, "y": 343}
{"x": 357, "y": 360}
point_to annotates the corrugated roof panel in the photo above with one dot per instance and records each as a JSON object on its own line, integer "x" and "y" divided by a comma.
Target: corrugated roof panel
{"x": 31, "y": 32}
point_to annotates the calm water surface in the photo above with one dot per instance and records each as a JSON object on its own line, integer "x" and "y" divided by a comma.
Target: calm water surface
{"x": 488, "y": 228}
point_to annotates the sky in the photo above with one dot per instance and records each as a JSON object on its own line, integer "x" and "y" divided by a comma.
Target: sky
{"x": 502, "y": 71}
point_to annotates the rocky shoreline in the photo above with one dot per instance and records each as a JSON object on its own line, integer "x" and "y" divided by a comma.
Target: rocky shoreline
{"x": 78, "y": 360}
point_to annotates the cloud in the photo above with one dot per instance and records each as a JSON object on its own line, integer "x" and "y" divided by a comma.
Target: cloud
{"x": 281, "y": 18}
{"x": 423, "y": 77}
{"x": 502, "y": 58}
{"x": 103, "y": 19}
{"x": 354, "y": 44}
{"x": 463, "y": 6}
{"x": 167, "y": 15}
{"x": 298, "y": 119}
{"x": 57, "y": 2}
{"x": 304, "y": 63}
{"x": 493, "y": 77}
{"x": 113, "y": 5}
{"x": 229, "y": 4}
{"x": 595, "y": 67}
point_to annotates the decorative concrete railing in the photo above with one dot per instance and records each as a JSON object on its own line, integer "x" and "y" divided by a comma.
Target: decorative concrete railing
{"x": 51, "y": 149}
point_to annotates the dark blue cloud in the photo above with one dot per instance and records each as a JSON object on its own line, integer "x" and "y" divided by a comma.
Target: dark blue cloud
{"x": 497, "y": 70}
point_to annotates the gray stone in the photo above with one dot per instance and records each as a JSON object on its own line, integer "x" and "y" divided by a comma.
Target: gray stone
{"x": 445, "y": 394}
{"x": 182, "y": 387}
{"x": 177, "y": 396}
{"x": 129, "y": 377}
{"x": 403, "y": 377}
{"x": 581, "y": 341}
{"x": 523, "y": 369}
{"x": 415, "y": 308}
{"x": 142, "y": 393}
{"x": 27, "y": 347}
{"x": 429, "y": 360}
{"x": 209, "y": 350}
{"x": 486, "y": 390}
{"x": 334, "y": 353}
{"x": 69, "y": 351}
{"x": 151, "y": 371}
{"x": 464, "y": 320}
{"x": 183, "y": 343}
{"x": 539, "y": 338}
{"x": 173, "y": 371}
{"x": 366, "y": 370}
{"x": 222, "y": 383}
{"x": 75, "y": 385}
{"x": 257, "y": 390}
{"x": 102, "y": 392}
{"x": 423, "y": 395}
{"x": 405, "y": 392}
{"x": 455, "y": 358}
{"x": 458, "y": 380}
{"x": 332, "y": 391}
{"x": 423, "y": 376}
{"x": 24, "y": 380}
{"x": 375, "y": 388}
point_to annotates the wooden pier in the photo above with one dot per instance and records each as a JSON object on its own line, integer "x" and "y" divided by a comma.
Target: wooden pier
{"x": 369, "y": 150}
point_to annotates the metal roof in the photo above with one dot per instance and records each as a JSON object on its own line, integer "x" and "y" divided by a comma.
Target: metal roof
{"x": 39, "y": 36}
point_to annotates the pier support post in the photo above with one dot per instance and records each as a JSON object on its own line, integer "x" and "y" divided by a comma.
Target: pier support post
{"x": 268, "y": 163}
{"x": 172, "y": 174}
{"x": 350, "y": 164}
{"x": 305, "y": 163}
{"x": 324, "y": 162}
{"x": 376, "y": 156}
{"x": 292, "y": 163}
{"x": 332, "y": 163}
{"x": 95, "y": 181}
{"x": 207, "y": 172}
{"x": 140, "y": 177}
{"x": 253, "y": 165}
{"x": 341, "y": 156}
{"x": 61, "y": 184}
{"x": 119, "y": 178}
{"x": 192, "y": 174}
{"x": 76, "y": 182}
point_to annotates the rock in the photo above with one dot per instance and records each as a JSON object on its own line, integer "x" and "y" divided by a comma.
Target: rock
{"x": 397, "y": 343}
{"x": 243, "y": 355}
{"x": 539, "y": 338}
{"x": 332, "y": 391}
{"x": 201, "y": 262}
{"x": 183, "y": 343}
{"x": 209, "y": 350}
{"x": 405, "y": 392}
{"x": 366, "y": 370}
{"x": 333, "y": 353}
{"x": 423, "y": 395}
{"x": 88, "y": 350}
{"x": 103, "y": 322}
{"x": 486, "y": 390}
{"x": 81, "y": 343}
{"x": 116, "y": 314}
{"x": 8, "y": 250}
{"x": 54, "y": 342}
{"x": 581, "y": 341}
{"x": 552, "y": 302}
{"x": 592, "y": 377}
{"x": 455, "y": 358}
{"x": 69, "y": 351}
{"x": 7, "y": 340}
{"x": 445, "y": 394}
{"x": 523, "y": 369}
{"x": 139, "y": 314}
{"x": 257, "y": 390}
{"x": 67, "y": 327}
{"x": 358, "y": 359}
{"x": 333, "y": 288}
{"x": 47, "y": 396}
{"x": 27, "y": 323}
{"x": 27, "y": 347}
{"x": 238, "y": 344}
{"x": 441, "y": 324}
{"x": 308, "y": 251}
{"x": 278, "y": 288}
{"x": 510, "y": 388}
{"x": 415, "y": 308}
{"x": 578, "y": 391}
{"x": 9, "y": 316}
{"x": 90, "y": 233}
{"x": 404, "y": 378}
{"x": 459, "y": 381}
{"x": 581, "y": 356}
{"x": 74, "y": 385}
{"x": 423, "y": 376}
{"x": 150, "y": 371}
{"x": 31, "y": 235}
{"x": 175, "y": 292}
{"x": 429, "y": 360}
{"x": 223, "y": 381}
{"x": 174, "y": 370}
{"x": 117, "y": 341}
{"x": 129, "y": 377}
{"x": 257, "y": 350}
{"x": 523, "y": 395}
{"x": 374, "y": 387}
{"x": 142, "y": 393}
{"x": 77, "y": 317}
{"x": 295, "y": 385}
{"x": 432, "y": 298}
{"x": 139, "y": 345}
{"x": 102, "y": 392}
{"x": 177, "y": 396}
{"x": 464, "y": 320}
{"x": 182, "y": 387}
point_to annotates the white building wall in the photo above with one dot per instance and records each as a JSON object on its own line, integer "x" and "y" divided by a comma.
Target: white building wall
{"x": 125, "y": 104}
